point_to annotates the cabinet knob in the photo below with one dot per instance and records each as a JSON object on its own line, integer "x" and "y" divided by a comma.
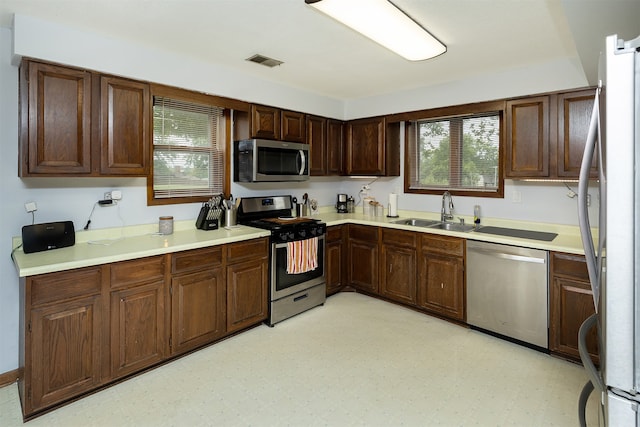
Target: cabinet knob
{"x": 441, "y": 285}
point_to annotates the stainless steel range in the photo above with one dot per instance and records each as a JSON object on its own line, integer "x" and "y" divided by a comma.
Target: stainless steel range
{"x": 296, "y": 267}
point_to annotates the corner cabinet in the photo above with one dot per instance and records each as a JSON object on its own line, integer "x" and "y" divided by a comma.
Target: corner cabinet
{"x": 371, "y": 148}
{"x": 335, "y": 255}
{"x": 362, "y": 257}
{"x": 79, "y": 123}
{"x": 441, "y": 282}
{"x": 571, "y": 303}
{"x": 546, "y": 135}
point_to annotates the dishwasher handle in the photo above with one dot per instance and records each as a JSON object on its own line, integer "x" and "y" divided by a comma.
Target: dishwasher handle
{"x": 504, "y": 255}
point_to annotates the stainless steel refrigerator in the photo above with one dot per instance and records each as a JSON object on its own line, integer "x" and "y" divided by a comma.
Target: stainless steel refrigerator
{"x": 612, "y": 257}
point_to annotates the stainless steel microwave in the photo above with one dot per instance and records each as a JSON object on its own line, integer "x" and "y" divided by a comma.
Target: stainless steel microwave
{"x": 262, "y": 160}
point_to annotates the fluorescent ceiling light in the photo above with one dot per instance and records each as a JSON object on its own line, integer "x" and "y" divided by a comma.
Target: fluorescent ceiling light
{"x": 385, "y": 24}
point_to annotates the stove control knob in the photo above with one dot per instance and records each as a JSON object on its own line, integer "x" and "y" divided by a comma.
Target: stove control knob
{"x": 302, "y": 233}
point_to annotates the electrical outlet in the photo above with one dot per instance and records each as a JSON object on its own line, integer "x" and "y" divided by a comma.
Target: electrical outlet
{"x": 516, "y": 196}
{"x": 588, "y": 200}
{"x": 30, "y": 207}
{"x": 107, "y": 195}
{"x": 116, "y": 195}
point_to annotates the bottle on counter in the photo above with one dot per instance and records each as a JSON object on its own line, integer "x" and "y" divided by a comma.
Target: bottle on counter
{"x": 476, "y": 215}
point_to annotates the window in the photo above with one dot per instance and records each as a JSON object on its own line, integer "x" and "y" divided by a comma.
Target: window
{"x": 188, "y": 151}
{"x": 458, "y": 154}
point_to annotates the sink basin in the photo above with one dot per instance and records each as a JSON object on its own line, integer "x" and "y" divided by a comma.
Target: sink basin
{"x": 416, "y": 222}
{"x": 432, "y": 223}
{"x": 452, "y": 226}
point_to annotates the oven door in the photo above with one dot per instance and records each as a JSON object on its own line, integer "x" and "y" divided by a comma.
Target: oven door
{"x": 283, "y": 283}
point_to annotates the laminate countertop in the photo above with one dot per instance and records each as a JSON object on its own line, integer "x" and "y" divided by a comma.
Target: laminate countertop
{"x": 104, "y": 246}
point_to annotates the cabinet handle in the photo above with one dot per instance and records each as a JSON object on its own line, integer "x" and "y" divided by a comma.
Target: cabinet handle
{"x": 441, "y": 285}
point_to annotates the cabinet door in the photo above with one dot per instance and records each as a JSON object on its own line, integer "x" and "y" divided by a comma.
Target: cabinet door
{"x": 574, "y": 114}
{"x": 265, "y": 122}
{"x": 527, "y": 138}
{"x": 56, "y": 120}
{"x": 124, "y": 126}
{"x": 293, "y": 126}
{"x": 441, "y": 286}
{"x": 335, "y": 147}
{"x": 398, "y": 273}
{"x": 317, "y": 139}
{"x": 571, "y": 304}
{"x": 198, "y": 302}
{"x": 365, "y": 147}
{"x": 363, "y": 265}
{"x": 64, "y": 351}
{"x": 334, "y": 267}
{"x": 247, "y": 293}
{"x": 137, "y": 328}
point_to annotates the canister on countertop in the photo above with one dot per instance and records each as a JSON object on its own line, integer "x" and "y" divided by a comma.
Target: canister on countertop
{"x": 476, "y": 215}
{"x": 165, "y": 225}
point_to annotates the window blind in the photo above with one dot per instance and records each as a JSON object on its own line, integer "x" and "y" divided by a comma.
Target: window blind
{"x": 456, "y": 153}
{"x": 188, "y": 149}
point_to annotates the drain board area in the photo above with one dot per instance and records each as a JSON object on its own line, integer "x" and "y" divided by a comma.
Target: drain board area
{"x": 514, "y": 232}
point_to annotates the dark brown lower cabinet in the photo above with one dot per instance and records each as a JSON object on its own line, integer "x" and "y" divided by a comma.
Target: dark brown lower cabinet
{"x": 85, "y": 328}
{"x": 335, "y": 258}
{"x": 137, "y": 314}
{"x": 362, "y": 257}
{"x": 62, "y": 329}
{"x": 441, "y": 283}
{"x": 247, "y": 284}
{"x": 198, "y": 298}
{"x": 398, "y": 265}
{"x": 571, "y": 302}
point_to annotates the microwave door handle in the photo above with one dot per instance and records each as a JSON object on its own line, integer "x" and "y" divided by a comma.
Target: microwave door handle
{"x": 303, "y": 161}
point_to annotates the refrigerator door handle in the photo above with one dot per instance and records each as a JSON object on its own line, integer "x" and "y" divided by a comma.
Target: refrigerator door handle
{"x": 583, "y": 192}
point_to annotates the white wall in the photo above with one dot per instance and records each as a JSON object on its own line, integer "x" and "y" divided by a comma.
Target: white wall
{"x": 72, "y": 199}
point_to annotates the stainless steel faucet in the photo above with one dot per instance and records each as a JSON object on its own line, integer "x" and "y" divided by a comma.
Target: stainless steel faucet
{"x": 444, "y": 216}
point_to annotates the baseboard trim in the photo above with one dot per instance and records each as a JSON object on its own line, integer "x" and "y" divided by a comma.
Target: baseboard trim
{"x": 9, "y": 377}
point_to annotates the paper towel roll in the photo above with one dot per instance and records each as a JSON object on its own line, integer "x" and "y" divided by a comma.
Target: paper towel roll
{"x": 393, "y": 205}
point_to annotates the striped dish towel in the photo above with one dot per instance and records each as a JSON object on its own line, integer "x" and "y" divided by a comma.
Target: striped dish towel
{"x": 302, "y": 256}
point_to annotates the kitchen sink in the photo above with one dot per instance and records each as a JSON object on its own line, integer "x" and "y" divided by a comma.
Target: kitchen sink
{"x": 431, "y": 223}
{"x": 416, "y": 222}
{"x": 452, "y": 226}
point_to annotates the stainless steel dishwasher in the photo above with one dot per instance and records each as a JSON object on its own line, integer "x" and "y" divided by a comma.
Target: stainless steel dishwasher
{"x": 507, "y": 291}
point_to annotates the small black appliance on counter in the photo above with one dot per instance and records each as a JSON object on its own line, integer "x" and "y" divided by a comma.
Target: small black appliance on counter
{"x": 47, "y": 236}
{"x": 341, "y": 204}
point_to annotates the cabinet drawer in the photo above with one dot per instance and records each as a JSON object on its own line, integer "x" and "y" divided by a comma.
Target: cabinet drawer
{"x": 334, "y": 233}
{"x": 52, "y": 287}
{"x": 399, "y": 238}
{"x": 241, "y": 251}
{"x": 443, "y": 245}
{"x": 197, "y": 259}
{"x": 363, "y": 232}
{"x": 574, "y": 266}
{"x": 138, "y": 271}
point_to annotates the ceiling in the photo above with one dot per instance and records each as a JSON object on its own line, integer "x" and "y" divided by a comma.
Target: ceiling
{"x": 326, "y": 58}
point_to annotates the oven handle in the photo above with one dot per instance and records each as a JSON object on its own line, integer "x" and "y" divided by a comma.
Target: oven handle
{"x": 284, "y": 245}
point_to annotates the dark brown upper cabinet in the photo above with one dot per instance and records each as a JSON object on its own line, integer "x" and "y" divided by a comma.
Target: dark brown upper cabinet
{"x": 55, "y": 120}
{"x": 371, "y": 148}
{"x": 265, "y": 122}
{"x": 546, "y": 135}
{"x": 75, "y": 122}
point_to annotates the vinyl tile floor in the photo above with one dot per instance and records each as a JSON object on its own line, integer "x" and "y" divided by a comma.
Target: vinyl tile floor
{"x": 356, "y": 361}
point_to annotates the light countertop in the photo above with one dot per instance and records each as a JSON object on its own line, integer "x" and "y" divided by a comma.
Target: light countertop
{"x": 120, "y": 244}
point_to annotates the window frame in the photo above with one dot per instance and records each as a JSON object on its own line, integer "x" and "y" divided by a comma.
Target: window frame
{"x": 197, "y": 98}
{"x": 448, "y": 113}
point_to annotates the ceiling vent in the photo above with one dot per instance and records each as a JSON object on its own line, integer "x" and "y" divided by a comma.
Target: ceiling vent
{"x": 264, "y": 60}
